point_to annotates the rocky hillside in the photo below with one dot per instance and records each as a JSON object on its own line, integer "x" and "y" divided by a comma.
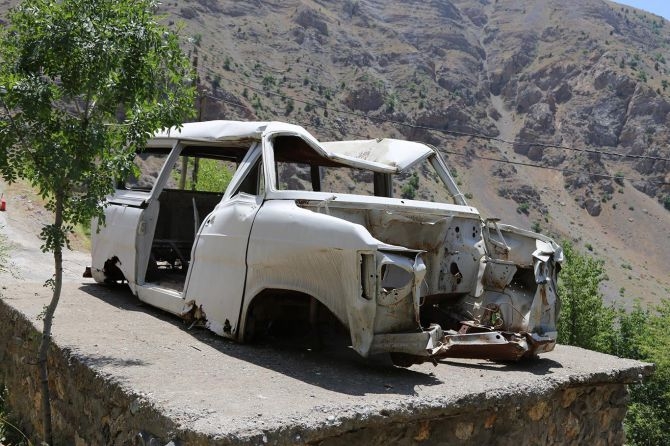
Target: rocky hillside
{"x": 580, "y": 87}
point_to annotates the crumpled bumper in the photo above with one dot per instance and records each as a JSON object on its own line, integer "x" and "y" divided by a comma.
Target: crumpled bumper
{"x": 434, "y": 344}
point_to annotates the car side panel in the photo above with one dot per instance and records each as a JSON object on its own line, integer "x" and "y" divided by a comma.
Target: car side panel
{"x": 293, "y": 248}
{"x": 116, "y": 238}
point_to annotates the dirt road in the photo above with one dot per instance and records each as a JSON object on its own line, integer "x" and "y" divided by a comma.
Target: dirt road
{"x": 21, "y": 224}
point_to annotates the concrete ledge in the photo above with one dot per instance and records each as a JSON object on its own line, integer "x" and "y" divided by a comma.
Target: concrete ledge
{"x": 124, "y": 373}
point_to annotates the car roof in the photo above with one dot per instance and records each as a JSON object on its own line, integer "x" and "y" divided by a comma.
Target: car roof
{"x": 381, "y": 155}
{"x": 396, "y": 154}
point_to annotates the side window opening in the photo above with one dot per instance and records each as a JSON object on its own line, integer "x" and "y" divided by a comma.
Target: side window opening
{"x": 420, "y": 182}
{"x": 147, "y": 167}
{"x": 200, "y": 174}
{"x": 254, "y": 183}
{"x": 300, "y": 167}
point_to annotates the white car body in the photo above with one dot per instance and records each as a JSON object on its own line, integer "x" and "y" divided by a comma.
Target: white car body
{"x": 419, "y": 279}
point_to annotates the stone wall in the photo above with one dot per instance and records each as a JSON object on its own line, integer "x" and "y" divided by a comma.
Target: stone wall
{"x": 87, "y": 408}
{"x": 91, "y": 408}
{"x": 587, "y": 415}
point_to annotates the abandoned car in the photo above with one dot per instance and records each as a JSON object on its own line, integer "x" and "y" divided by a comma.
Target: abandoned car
{"x": 240, "y": 224}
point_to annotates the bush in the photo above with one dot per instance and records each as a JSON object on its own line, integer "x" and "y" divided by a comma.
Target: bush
{"x": 643, "y": 335}
{"x": 585, "y": 321}
{"x": 666, "y": 202}
{"x": 637, "y": 334}
{"x": 408, "y": 191}
{"x": 289, "y": 107}
{"x": 10, "y": 434}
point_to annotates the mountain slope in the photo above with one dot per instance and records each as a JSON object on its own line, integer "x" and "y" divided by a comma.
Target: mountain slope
{"x": 589, "y": 76}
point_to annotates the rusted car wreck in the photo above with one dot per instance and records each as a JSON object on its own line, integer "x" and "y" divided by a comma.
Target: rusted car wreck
{"x": 359, "y": 231}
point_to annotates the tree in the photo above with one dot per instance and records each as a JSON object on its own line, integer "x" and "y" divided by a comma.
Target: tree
{"x": 83, "y": 83}
{"x": 210, "y": 175}
{"x": 585, "y": 321}
{"x": 640, "y": 333}
{"x": 644, "y": 335}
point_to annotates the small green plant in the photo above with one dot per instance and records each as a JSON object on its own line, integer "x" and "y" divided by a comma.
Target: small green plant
{"x": 269, "y": 81}
{"x": 523, "y": 208}
{"x": 216, "y": 82}
{"x": 213, "y": 176}
{"x": 290, "y": 106}
{"x": 409, "y": 190}
{"x": 256, "y": 103}
{"x": 468, "y": 195}
{"x": 627, "y": 266}
{"x": 666, "y": 202}
{"x": 642, "y": 76}
{"x": 391, "y": 102}
{"x": 536, "y": 227}
{"x": 618, "y": 178}
{"x": 10, "y": 434}
{"x": 226, "y": 64}
{"x": 589, "y": 247}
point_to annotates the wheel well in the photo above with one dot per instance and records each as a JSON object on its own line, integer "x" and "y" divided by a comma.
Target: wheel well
{"x": 112, "y": 272}
{"x": 288, "y": 313}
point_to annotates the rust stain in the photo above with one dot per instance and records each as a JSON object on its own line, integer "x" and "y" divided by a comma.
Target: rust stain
{"x": 424, "y": 431}
{"x": 490, "y": 421}
{"x": 543, "y": 294}
{"x": 499, "y": 352}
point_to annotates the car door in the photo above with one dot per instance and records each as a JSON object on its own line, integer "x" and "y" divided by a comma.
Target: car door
{"x": 217, "y": 274}
{"x": 130, "y": 220}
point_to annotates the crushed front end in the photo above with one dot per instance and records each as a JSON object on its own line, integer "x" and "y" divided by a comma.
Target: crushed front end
{"x": 487, "y": 292}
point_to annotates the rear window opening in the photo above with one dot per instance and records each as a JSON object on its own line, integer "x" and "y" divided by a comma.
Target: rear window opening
{"x": 301, "y": 168}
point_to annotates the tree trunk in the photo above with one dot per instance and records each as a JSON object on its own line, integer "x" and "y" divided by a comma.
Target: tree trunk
{"x": 47, "y": 432}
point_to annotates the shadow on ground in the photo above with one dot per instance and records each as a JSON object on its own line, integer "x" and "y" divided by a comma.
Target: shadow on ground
{"x": 334, "y": 367}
